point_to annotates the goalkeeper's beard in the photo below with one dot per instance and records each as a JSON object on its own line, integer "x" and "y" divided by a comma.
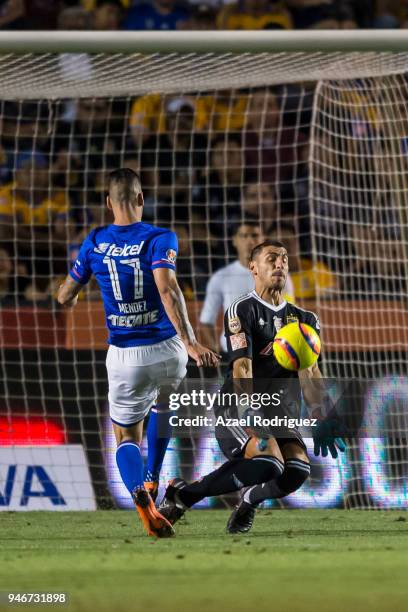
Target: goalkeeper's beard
{"x": 271, "y": 291}
{"x": 276, "y": 284}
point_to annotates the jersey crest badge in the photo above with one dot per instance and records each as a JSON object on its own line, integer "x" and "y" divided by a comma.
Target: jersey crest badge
{"x": 277, "y": 321}
{"x": 171, "y": 255}
{"x": 238, "y": 341}
{"x": 234, "y": 325}
{"x": 261, "y": 323}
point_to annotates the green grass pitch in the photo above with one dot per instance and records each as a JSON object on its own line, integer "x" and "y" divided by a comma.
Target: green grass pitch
{"x": 293, "y": 560}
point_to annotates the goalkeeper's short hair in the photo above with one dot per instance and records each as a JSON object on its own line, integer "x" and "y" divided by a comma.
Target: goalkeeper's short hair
{"x": 259, "y": 248}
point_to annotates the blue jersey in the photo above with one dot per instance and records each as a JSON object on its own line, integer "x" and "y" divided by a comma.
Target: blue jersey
{"x": 122, "y": 258}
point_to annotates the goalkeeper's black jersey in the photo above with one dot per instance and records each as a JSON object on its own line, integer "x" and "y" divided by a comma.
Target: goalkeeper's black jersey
{"x": 250, "y": 326}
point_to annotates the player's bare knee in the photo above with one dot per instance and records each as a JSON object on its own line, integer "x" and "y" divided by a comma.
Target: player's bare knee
{"x": 128, "y": 434}
{"x": 293, "y": 450}
{"x": 267, "y": 455}
{"x": 259, "y": 446}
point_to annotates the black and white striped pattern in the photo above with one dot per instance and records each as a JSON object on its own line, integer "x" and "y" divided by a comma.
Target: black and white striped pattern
{"x": 232, "y": 309}
{"x": 298, "y": 464}
{"x": 278, "y": 464}
{"x": 239, "y": 434}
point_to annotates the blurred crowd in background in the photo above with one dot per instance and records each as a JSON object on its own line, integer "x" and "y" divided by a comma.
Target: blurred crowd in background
{"x": 224, "y": 169}
{"x": 210, "y": 165}
{"x": 201, "y": 14}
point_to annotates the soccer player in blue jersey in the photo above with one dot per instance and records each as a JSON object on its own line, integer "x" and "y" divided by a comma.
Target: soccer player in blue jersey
{"x": 150, "y": 335}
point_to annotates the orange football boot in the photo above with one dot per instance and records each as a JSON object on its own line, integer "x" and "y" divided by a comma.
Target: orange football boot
{"x": 153, "y": 488}
{"x": 154, "y": 523}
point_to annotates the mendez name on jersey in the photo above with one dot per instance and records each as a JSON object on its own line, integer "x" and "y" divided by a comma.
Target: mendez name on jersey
{"x": 250, "y": 326}
{"x": 122, "y": 259}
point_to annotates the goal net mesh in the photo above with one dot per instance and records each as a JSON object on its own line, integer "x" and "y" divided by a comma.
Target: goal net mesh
{"x": 312, "y": 147}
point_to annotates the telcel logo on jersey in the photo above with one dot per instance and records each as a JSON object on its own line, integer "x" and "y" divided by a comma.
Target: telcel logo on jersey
{"x": 105, "y": 248}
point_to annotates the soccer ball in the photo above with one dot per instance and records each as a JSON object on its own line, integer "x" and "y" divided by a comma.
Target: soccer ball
{"x": 296, "y": 346}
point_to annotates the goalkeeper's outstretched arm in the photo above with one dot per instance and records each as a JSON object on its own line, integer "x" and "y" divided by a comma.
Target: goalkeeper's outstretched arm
{"x": 311, "y": 382}
{"x": 327, "y": 435}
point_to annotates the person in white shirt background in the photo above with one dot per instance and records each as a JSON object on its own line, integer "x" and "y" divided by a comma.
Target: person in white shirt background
{"x": 230, "y": 282}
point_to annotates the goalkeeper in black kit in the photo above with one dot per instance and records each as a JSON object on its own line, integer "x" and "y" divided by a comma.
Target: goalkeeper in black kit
{"x": 262, "y": 465}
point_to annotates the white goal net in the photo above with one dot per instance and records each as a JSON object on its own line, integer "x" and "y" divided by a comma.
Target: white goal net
{"x": 311, "y": 148}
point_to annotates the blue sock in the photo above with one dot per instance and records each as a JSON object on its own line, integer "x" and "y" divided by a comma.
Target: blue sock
{"x": 130, "y": 464}
{"x": 158, "y": 438}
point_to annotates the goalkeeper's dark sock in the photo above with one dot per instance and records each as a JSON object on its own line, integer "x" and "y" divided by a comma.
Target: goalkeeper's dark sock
{"x": 130, "y": 464}
{"x": 231, "y": 476}
{"x": 296, "y": 472}
{"x": 158, "y": 437}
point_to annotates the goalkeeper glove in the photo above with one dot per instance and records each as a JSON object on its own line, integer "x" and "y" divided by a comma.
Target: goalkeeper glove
{"x": 327, "y": 437}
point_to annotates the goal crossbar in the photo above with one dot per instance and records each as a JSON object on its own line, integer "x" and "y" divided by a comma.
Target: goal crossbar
{"x": 326, "y": 41}
{"x": 53, "y": 65}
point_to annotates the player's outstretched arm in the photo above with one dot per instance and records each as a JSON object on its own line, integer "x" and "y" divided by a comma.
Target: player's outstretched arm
{"x": 175, "y": 307}
{"x": 67, "y": 294}
{"x": 327, "y": 434}
{"x": 311, "y": 382}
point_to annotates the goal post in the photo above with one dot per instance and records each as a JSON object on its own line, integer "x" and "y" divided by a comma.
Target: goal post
{"x": 304, "y": 132}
